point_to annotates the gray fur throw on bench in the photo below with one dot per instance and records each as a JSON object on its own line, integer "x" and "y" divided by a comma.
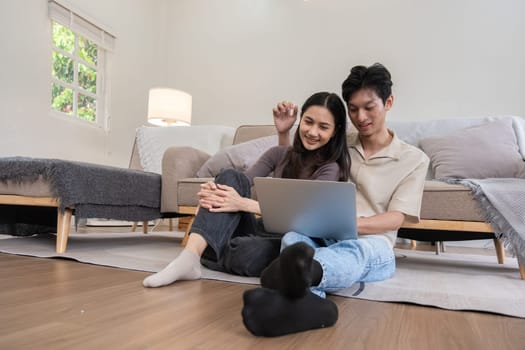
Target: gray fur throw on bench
{"x": 92, "y": 190}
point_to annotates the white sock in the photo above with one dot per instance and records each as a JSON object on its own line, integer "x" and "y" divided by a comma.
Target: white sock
{"x": 186, "y": 266}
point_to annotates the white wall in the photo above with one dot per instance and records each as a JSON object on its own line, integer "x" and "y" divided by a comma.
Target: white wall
{"x": 447, "y": 58}
{"x": 27, "y": 127}
{"x": 239, "y": 57}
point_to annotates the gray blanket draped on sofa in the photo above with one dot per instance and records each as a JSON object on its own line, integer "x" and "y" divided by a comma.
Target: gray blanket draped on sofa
{"x": 503, "y": 203}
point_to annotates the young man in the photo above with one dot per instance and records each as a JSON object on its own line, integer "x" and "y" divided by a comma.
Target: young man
{"x": 389, "y": 175}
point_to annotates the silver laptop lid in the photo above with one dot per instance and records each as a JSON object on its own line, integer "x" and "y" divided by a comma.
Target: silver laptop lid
{"x": 325, "y": 209}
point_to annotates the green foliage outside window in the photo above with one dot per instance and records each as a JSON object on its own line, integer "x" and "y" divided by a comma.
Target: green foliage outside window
{"x": 86, "y": 106}
{"x": 63, "y": 69}
{"x": 62, "y": 99}
{"x": 63, "y": 38}
{"x": 87, "y": 78}
{"x": 88, "y": 51}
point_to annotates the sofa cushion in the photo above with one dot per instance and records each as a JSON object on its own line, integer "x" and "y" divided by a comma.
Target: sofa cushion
{"x": 485, "y": 151}
{"x": 443, "y": 201}
{"x": 187, "y": 191}
{"x": 240, "y": 156}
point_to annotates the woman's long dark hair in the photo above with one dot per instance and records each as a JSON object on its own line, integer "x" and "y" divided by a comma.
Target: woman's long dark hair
{"x": 302, "y": 163}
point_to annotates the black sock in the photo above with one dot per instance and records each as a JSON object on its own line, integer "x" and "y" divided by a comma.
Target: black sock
{"x": 267, "y": 312}
{"x": 294, "y": 271}
{"x": 317, "y": 273}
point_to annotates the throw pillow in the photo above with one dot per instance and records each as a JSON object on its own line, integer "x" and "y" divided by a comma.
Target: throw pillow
{"x": 152, "y": 142}
{"x": 240, "y": 156}
{"x": 486, "y": 151}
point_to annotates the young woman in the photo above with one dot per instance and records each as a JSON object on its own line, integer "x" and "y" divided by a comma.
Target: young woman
{"x": 225, "y": 234}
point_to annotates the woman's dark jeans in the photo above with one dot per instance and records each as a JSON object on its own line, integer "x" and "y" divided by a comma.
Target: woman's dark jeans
{"x": 237, "y": 242}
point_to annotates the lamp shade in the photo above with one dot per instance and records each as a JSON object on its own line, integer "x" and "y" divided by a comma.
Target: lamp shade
{"x": 169, "y": 107}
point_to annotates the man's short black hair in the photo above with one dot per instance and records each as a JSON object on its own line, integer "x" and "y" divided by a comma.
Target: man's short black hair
{"x": 376, "y": 77}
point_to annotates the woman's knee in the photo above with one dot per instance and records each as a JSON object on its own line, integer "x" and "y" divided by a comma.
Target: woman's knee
{"x": 236, "y": 179}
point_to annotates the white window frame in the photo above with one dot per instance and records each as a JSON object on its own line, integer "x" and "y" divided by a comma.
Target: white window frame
{"x": 63, "y": 14}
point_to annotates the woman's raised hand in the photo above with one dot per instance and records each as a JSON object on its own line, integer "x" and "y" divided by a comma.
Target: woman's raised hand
{"x": 284, "y": 116}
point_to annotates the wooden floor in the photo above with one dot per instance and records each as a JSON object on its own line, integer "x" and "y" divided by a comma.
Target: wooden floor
{"x": 61, "y": 304}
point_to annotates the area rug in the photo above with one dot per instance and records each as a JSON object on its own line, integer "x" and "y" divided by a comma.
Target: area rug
{"x": 449, "y": 281}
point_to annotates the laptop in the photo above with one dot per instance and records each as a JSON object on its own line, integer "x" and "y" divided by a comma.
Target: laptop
{"x": 315, "y": 208}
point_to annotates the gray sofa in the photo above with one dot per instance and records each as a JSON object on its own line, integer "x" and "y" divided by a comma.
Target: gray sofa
{"x": 449, "y": 211}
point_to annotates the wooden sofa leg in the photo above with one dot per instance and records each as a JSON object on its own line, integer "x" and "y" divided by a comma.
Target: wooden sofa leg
{"x": 187, "y": 232}
{"x": 500, "y": 251}
{"x": 522, "y": 270}
{"x": 144, "y": 227}
{"x": 183, "y": 222}
{"x": 63, "y": 225}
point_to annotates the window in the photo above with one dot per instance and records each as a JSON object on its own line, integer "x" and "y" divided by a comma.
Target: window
{"x": 79, "y": 66}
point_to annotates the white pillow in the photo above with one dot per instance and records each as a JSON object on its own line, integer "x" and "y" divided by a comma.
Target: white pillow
{"x": 413, "y": 131}
{"x": 240, "y": 156}
{"x": 152, "y": 142}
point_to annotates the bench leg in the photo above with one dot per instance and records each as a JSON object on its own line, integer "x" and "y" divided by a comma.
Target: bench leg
{"x": 184, "y": 222}
{"x": 144, "y": 227}
{"x": 500, "y": 251}
{"x": 63, "y": 225}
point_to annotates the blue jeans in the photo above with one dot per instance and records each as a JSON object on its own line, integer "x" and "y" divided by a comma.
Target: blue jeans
{"x": 237, "y": 242}
{"x": 366, "y": 259}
